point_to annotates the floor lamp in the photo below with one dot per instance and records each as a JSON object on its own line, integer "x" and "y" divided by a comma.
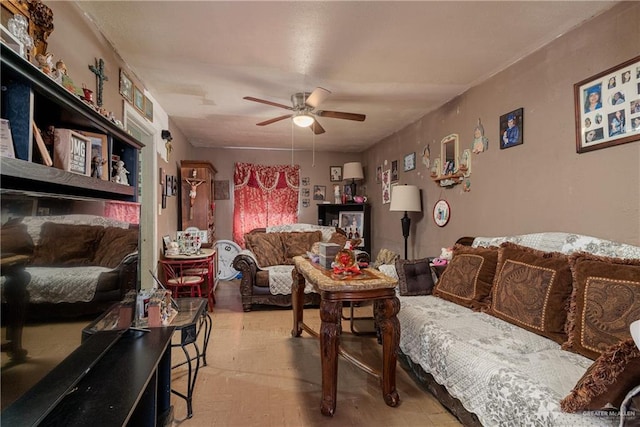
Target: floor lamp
{"x": 405, "y": 198}
{"x": 352, "y": 171}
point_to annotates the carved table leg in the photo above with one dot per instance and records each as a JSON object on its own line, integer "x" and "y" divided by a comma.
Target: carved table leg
{"x": 297, "y": 302}
{"x": 386, "y": 310}
{"x": 330, "y": 329}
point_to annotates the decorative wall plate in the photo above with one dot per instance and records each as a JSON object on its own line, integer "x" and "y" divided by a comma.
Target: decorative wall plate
{"x": 441, "y": 213}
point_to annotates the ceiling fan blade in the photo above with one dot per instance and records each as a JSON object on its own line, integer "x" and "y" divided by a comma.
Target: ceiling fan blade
{"x": 277, "y": 119}
{"x": 316, "y": 128}
{"x": 341, "y": 115}
{"x": 262, "y": 101}
{"x": 318, "y": 95}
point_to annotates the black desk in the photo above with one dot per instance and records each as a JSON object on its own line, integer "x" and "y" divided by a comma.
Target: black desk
{"x": 114, "y": 378}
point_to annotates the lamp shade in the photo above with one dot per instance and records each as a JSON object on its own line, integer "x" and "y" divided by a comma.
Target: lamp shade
{"x": 352, "y": 170}
{"x": 405, "y": 198}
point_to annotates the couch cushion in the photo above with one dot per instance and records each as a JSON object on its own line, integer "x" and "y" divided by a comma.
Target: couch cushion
{"x": 67, "y": 244}
{"x": 531, "y": 289}
{"x": 468, "y": 277}
{"x": 607, "y": 381}
{"x": 267, "y": 247}
{"x": 604, "y": 302}
{"x": 115, "y": 244}
{"x": 298, "y": 243}
{"x": 414, "y": 277}
{"x": 15, "y": 239}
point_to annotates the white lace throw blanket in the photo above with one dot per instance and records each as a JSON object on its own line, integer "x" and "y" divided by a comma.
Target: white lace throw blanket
{"x": 62, "y": 284}
{"x": 280, "y": 280}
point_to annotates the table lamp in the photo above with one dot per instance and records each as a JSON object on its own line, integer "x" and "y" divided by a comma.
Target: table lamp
{"x": 352, "y": 171}
{"x": 405, "y": 198}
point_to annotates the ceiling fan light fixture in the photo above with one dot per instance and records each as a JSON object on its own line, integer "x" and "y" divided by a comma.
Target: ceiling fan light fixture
{"x": 303, "y": 119}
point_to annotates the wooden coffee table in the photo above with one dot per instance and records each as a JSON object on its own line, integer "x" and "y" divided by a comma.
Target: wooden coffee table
{"x": 370, "y": 285}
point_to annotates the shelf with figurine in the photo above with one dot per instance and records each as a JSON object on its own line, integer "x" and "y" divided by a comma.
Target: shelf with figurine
{"x": 52, "y": 133}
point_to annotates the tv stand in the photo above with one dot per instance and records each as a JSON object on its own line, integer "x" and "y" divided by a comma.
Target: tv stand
{"x": 117, "y": 377}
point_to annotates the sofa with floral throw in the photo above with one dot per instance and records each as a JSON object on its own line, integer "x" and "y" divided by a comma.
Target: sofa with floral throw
{"x": 78, "y": 264}
{"x": 266, "y": 264}
{"x": 526, "y": 330}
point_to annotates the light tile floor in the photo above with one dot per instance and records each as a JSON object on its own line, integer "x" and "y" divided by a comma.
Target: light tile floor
{"x": 257, "y": 374}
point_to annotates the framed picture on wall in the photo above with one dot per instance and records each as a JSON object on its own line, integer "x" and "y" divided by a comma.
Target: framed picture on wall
{"x": 607, "y": 107}
{"x": 126, "y": 86}
{"x": 394, "y": 171}
{"x": 138, "y": 99}
{"x": 319, "y": 192}
{"x": 335, "y": 173}
{"x": 512, "y": 129}
{"x": 409, "y": 162}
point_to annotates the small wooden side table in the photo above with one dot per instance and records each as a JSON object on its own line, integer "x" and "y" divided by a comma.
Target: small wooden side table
{"x": 371, "y": 285}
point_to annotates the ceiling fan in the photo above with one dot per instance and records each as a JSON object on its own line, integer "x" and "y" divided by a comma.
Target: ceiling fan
{"x": 304, "y": 111}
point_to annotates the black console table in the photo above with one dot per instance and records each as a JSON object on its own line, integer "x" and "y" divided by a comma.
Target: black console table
{"x": 114, "y": 378}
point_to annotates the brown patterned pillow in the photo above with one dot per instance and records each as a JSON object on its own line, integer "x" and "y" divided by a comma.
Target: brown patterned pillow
{"x": 67, "y": 244}
{"x": 468, "y": 278}
{"x": 607, "y": 381}
{"x": 604, "y": 302}
{"x": 267, "y": 247}
{"x": 414, "y": 277}
{"x": 298, "y": 243}
{"x": 115, "y": 244}
{"x": 338, "y": 239}
{"x": 531, "y": 289}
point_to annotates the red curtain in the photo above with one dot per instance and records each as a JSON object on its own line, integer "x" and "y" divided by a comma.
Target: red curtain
{"x": 264, "y": 196}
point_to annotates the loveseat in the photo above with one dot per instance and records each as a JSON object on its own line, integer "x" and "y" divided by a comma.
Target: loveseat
{"x": 267, "y": 262}
{"x": 526, "y": 330}
{"x": 79, "y": 264}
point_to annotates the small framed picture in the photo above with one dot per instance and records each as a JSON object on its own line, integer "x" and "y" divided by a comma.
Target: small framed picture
{"x": 394, "y": 171}
{"x": 99, "y": 155}
{"x": 335, "y": 173}
{"x": 305, "y": 192}
{"x": 441, "y": 213}
{"x": 126, "y": 86}
{"x": 378, "y": 174}
{"x": 305, "y": 203}
{"x": 410, "y": 162}
{"x": 319, "y": 192}
{"x": 138, "y": 99}
{"x": 512, "y": 129}
{"x": 148, "y": 109}
{"x": 305, "y": 181}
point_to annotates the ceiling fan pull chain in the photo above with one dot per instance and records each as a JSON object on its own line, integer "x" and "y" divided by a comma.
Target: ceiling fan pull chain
{"x": 313, "y": 146}
{"x": 292, "y": 130}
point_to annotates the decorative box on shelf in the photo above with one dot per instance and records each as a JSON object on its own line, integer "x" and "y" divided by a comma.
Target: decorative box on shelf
{"x": 72, "y": 152}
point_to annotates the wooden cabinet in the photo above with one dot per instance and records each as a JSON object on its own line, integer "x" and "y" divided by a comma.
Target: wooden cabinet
{"x": 196, "y": 197}
{"x": 341, "y": 215}
{"x": 29, "y": 97}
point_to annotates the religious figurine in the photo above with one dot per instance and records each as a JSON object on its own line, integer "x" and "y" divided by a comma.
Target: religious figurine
{"x": 96, "y": 166}
{"x": 121, "y": 174}
{"x": 480, "y": 142}
{"x": 45, "y": 62}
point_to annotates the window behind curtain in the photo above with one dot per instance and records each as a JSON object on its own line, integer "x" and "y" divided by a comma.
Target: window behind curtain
{"x": 264, "y": 196}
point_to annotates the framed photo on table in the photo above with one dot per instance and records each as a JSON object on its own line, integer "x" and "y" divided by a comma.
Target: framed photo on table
{"x": 607, "y": 107}
{"x": 352, "y": 223}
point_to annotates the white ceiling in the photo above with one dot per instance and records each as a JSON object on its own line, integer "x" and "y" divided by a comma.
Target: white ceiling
{"x": 392, "y": 61}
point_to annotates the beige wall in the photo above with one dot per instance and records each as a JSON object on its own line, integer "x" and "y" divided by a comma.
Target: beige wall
{"x": 224, "y": 160}
{"x": 542, "y": 185}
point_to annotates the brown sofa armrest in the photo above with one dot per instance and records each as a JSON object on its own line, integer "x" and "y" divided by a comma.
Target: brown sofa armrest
{"x": 246, "y": 265}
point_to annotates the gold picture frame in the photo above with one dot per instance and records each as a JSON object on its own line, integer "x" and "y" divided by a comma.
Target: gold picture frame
{"x": 138, "y": 99}
{"x": 126, "y": 86}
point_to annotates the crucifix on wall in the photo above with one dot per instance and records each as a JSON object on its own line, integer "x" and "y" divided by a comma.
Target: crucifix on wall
{"x": 193, "y": 183}
{"x": 101, "y": 77}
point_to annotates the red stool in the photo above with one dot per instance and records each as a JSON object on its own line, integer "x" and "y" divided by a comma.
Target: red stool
{"x": 185, "y": 277}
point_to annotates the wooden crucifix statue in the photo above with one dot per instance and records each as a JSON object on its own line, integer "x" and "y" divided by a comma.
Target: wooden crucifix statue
{"x": 101, "y": 77}
{"x": 193, "y": 183}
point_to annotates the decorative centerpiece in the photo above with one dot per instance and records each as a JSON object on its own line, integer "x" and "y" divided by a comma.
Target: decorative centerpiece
{"x": 345, "y": 263}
